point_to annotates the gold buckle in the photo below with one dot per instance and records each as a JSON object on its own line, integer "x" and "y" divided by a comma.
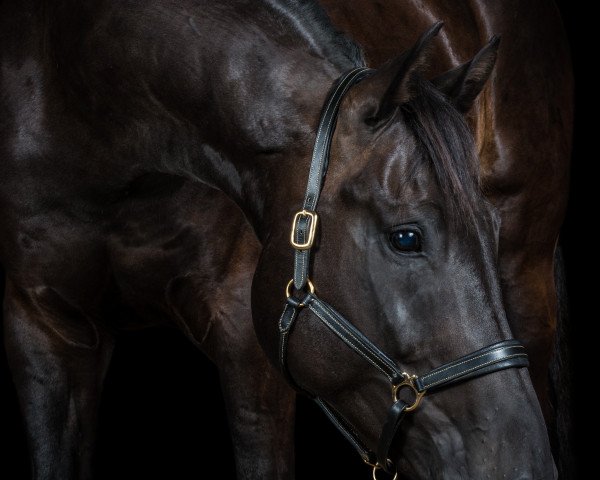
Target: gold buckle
{"x": 311, "y": 231}
{"x": 288, "y": 289}
{"x": 377, "y": 467}
{"x": 408, "y": 382}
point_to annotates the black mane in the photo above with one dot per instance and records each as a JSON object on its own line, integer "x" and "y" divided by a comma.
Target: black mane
{"x": 312, "y": 22}
{"x": 448, "y": 142}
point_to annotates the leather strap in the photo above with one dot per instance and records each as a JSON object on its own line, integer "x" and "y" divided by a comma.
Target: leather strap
{"x": 347, "y": 431}
{"x": 286, "y": 322}
{"x": 318, "y": 169}
{"x": 341, "y": 327}
{"x": 388, "y": 433}
{"x": 354, "y": 338}
{"x": 501, "y": 355}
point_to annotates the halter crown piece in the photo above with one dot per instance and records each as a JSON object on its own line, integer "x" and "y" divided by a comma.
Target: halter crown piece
{"x": 300, "y": 293}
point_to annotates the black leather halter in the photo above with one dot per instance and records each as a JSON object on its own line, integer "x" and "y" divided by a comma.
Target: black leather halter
{"x": 300, "y": 294}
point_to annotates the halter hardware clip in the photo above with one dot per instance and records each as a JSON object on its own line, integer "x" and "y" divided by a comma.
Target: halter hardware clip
{"x": 288, "y": 290}
{"x": 377, "y": 467}
{"x": 408, "y": 382}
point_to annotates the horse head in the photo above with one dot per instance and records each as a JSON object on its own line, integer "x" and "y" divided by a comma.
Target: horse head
{"x": 405, "y": 248}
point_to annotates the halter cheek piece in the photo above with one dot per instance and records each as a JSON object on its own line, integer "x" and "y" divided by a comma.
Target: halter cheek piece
{"x": 501, "y": 355}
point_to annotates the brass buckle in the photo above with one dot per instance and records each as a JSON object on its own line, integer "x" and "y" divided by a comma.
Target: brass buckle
{"x": 308, "y": 243}
{"x": 288, "y": 289}
{"x": 377, "y": 467}
{"x": 408, "y": 382}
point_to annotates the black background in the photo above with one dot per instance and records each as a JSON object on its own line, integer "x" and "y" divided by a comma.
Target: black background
{"x": 162, "y": 416}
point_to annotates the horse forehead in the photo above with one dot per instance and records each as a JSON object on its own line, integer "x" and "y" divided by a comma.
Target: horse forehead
{"x": 390, "y": 170}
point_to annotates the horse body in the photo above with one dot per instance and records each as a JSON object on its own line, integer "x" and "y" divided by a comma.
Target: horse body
{"x": 95, "y": 137}
{"x": 105, "y": 246}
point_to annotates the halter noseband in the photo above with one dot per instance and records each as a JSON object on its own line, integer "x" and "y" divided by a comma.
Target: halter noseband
{"x": 499, "y": 356}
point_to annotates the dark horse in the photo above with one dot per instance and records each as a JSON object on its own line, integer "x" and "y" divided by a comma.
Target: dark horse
{"x": 116, "y": 117}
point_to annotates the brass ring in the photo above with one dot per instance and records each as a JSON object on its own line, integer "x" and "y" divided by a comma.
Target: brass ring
{"x": 408, "y": 382}
{"x": 377, "y": 467}
{"x": 288, "y": 288}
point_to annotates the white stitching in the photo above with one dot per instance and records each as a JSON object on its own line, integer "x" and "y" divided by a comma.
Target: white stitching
{"x": 332, "y": 117}
{"x": 343, "y": 327}
{"x": 305, "y": 261}
{"x": 296, "y": 268}
{"x": 281, "y": 317}
{"x": 368, "y": 347}
{"x": 436, "y": 372}
{"x": 351, "y": 344}
{"x": 352, "y": 73}
{"x": 350, "y": 432}
{"x": 326, "y": 112}
{"x": 300, "y": 255}
{"x": 334, "y": 315}
{"x": 283, "y": 338}
{"x": 348, "y": 342}
{"x": 497, "y": 360}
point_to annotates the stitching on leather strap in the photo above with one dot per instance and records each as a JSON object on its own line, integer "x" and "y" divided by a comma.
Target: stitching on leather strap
{"x": 380, "y": 356}
{"x": 345, "y": 87}
{"x": 350, "y": 343}
{"x": 281, "y": 317}
{"x": 454, "y": 365}
{"x": 345, "y": 329}
{"x": 299, "y": 256}
{"x": 283, "y": 349}
{"x": 349, "y": 431}
{"x": 331, "y": 119}
{"x": 332, "y": 315}
{"x": 464, "y": 372}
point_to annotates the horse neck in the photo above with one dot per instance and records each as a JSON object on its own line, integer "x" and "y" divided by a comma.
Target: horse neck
{"x": 229, "y": 93}
{"x": 261, "y": 156}
{"x": 259, "y": 139}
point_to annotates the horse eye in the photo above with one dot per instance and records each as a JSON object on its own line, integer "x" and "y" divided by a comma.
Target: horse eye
{"x": 406, "y": 240}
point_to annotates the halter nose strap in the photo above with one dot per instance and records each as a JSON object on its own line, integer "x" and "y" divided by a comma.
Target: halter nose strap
{"x": 495, "y": 357}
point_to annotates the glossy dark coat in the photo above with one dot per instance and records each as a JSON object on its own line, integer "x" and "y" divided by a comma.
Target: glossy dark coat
{"x": 523, "y": 124}
{"x": 103, "y": 152}
{"x": 523, "y": 130}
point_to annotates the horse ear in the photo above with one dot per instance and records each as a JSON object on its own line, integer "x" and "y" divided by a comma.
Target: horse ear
{"x": 462, "y": 84}
{"x": 392, "y": 84}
